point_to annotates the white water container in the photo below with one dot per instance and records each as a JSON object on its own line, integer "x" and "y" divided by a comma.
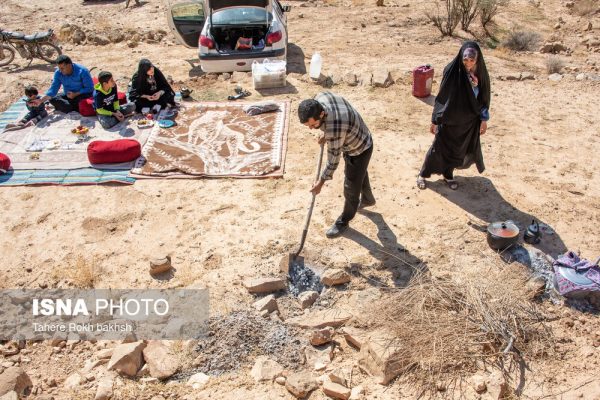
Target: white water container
{"x": 316, "y": 63}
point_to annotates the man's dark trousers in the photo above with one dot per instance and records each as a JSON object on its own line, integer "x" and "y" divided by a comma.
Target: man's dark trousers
{"x": 63, "y": 104}
{"x": 356, "y": 183}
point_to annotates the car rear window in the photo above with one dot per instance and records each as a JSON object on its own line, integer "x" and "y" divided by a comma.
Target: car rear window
{"x": 241, "y": 16}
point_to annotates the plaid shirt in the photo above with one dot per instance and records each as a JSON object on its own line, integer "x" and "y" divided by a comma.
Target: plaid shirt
{"x": 345, "y": 131}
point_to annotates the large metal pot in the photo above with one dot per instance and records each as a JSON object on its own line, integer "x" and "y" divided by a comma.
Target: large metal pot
{"x": 502, "y": 235}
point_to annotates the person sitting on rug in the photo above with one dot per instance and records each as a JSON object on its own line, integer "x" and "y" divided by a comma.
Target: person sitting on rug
{"x": 36, "y": 112}
{"x": 149, "y": 88}
{"x": 106, "y": 103}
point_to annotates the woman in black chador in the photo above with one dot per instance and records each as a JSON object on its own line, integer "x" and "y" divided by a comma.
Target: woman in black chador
{"x": 459, "y": 117}
{"x": 149, "y": 88}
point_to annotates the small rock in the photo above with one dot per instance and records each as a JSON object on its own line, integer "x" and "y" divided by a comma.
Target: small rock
{"x": 226, "y": 76}
{"x": 280, "y": 380}
{"x": 527, "y": 76}
{"x": 335, "y": 276}
{"x": 160, "y": 360}
{"x": 479, "y": 384}
{"x": 350, "y": 79}
{"x": 357, "y": 393}
{"x": 116, "y": 36}
{"x": 198, "y": 381}
{"x": 73, "y": 381}
{"x": 264, "y": 285}
{"x": 497, "y": 386}
{"x": 382, "y": 78}
{"x": 322, "y": 336}
{"x": 512, "y": 77}
{"x": 320, "y": 319}
{"x": 366, "y": 79}
{"x": 535, "y": 286}
{"x": 580, "y": 77}
{"x": 307, "y": 298}
{"x": 300, "y": 384}
{"x": 354, "y": 336}
{"x": 15, "y": 379}
{"x": 238, "y": 77}
{"x": 267, "y": 303}
{"x": 336, "y": 390}
{"x": 555, "y": 77}
{"x": 265, "y": 369}
{"x": 104, "y": 354}
{"x": 339, "y": 376}
{"x": 105, "y": 388}
{"x": 131, "y": 44}
{"x": 12, "y": 395}
{"x": 318, "y": 359}
{"x": 127, "y": 358}
{"x": 587, "y": 26}
{"x": 557, "y": 26}
{"x": 160, "y": 265}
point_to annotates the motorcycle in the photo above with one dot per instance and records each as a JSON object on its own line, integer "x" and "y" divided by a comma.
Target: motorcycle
{"x": 39, "y": 45}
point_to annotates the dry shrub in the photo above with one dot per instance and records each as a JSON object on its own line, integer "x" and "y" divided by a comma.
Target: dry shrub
{"x": 488, "y": 9}
{"x": 519, "y": 40}
{"x": 81, "y": 272}
{"x": 586, "y": 7}
{"x": 445, "y": 327}
{"x": 468, "y": 11}
{"x": 554, "y": 64}
{"x": 447, "y": 19}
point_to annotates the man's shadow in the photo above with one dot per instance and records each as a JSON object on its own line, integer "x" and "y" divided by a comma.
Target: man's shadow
{"x": 393, "y": 256}
{"x": 479, "y": 197}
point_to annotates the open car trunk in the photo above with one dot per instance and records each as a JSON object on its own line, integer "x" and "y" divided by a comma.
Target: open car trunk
{"x": 239, "y": 38}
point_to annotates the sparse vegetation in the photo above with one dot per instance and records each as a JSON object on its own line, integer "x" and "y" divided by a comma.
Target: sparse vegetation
{"x": 447, "y": 20}
{"x": 554, "y": 64}
{"x": 488, "y": 9}
{"x": 80, "y": 272}
{"x": 520, "y": 40}
{"x": 468, "y": 11}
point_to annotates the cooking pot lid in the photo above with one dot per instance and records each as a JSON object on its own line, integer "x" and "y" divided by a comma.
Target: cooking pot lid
{"x": 506, "y": 229}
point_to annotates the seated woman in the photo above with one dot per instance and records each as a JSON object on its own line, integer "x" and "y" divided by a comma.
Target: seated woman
{"x": 149, "y": 88}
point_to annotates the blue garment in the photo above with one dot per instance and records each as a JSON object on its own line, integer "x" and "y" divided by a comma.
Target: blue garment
{"x": 485, "y": 113}
{"x": 80, "y": 81}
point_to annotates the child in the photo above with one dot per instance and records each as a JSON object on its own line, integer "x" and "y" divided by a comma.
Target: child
{"x": 35, "y": 114}
{"x": 106, "y": 103}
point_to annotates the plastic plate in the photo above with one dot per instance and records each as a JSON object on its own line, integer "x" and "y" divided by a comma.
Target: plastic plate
{"x": 165, "y": 123}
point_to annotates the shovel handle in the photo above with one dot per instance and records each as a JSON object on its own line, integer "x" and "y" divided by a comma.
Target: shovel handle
{"x": 312, "y": 205}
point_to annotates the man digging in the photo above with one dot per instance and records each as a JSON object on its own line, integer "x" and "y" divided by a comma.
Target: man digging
{"x": 345, "y": 133}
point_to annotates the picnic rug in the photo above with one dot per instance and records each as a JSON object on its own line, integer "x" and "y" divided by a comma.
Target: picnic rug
{"x": 217, "y": 140}
{"x": 67, "y": 164}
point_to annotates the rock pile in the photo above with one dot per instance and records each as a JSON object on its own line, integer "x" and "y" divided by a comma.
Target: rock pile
{"x": 72, "y": 33}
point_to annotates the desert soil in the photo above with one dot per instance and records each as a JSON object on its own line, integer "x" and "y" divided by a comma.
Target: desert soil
{"x": 541, "y": 155}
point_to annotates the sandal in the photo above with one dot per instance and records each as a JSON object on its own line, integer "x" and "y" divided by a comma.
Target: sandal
{"x": 452, "y": 184}
{"x": 421, "y": 184}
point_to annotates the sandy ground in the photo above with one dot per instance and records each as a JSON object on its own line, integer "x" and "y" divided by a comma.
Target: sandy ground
{"x": 541, "y": 155}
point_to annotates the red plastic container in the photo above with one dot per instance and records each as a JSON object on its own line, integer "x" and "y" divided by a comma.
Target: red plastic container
{"x": 422, "y": 80}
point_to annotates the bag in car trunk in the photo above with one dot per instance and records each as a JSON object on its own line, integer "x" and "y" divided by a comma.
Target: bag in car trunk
{"x": 241, "y": 39}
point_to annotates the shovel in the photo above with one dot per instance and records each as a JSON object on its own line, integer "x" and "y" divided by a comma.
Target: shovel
{"x": 296, "y": 258}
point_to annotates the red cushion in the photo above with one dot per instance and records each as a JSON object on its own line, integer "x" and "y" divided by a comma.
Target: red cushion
{"x": 114, "y": 151}
{"x": 86, "y": 106}
{"x": 4, "y": 163}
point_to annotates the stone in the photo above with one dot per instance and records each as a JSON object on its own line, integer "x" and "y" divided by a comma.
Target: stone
{"x": 15, "y": 379}
{"x": 339, "y": 376}
{"x": 357, "y": 393}
{"x": 379, "y": 357}
{"x": 12, "y": 395}
{"x": 73, "y": 381}
{"x": 264, "y": 285}
{"x": 354, "y": 336}
{"x": 527, "y": 76}
{"x": 555, "y": 77}
{"x": 92, "y": 363}
{"x": 300, "y": 384}
{"x": 198, "y": 381}
{"x": 535, "y": 287}
{"x": 512, "y": 77}
{"x": 265, "y": 369}
{"x": 226, "y": 76}
{"x": 160, "y": 265}
{"x": 350, "y": 79}
{"x": 127, "y": 358}
{"x": 161, "y": 361}
{"x": 479, "y": 383}
{"x": 321, "y": 336}
{"x": 116, "y": 36}
{"x": 497, "y": 386}
{"x": 132, "y": 43}
{"x": 366, "y": 79}
{"x": 78, "y": 36}
{"x": 104, "y": 354}
{"x": 335, "y": 276}
{"x": 587, "y": 26}
{"x": 382, "y": 78}
{"x": 10, "y": 349}
{"x": 238, "y": 76}
{"x": 267, "y": 303}
{"x": 320, "y": 319}
{"x": 557, "y": 25}
{"x": 100, "y": 40}
{"x": 318, "y": 359}
{"x": 280, "y": 380}
{"x": 379, "y": 3}
{"x": 580, "y": 77}
{"x": 104, "y": 391}
{"x": 307, "y": 298}
{"x": 336, "y": 391}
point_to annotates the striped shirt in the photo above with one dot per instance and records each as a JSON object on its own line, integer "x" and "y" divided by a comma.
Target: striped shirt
{"x": 345, "y": 131}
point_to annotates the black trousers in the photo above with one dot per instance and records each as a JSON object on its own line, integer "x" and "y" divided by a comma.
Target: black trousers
{"x": 167, "y": 98}
{"x": 356, "y": 184}
{"x": 63, "y": 104}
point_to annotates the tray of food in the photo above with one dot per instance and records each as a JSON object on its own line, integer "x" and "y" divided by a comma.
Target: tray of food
{"x": 144, "y": 123}
{"x": 80, "y": 130}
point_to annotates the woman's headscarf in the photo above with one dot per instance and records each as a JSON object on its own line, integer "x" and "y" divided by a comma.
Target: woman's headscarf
{"x": 456, "y": 103}
{"x": 140, "y": 84}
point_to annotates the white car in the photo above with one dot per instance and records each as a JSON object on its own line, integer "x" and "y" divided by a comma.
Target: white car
{"x": 231, "y": 34}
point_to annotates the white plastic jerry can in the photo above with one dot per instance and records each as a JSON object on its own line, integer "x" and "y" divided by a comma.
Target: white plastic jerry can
{"x": 315, "y": 66}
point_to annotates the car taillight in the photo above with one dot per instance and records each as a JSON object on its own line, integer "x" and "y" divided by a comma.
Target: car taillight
{"x": 274, "y": 37}
{"x": 207, "y": 42}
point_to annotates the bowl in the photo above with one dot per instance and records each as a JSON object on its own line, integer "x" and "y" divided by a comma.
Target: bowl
{"x": 502, "y": 235}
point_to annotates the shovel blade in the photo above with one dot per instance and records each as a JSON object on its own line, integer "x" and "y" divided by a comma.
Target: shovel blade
{"x": 287, "y": 261}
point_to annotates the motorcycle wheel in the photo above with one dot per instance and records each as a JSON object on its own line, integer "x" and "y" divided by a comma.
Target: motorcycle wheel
{"x": 7, "y": 55}
{"x": 48, "y": 52}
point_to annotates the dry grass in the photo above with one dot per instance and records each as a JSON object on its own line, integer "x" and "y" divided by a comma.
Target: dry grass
{"x": 81, "y": 272}
{"x": 519, "y": 40}
{"x": 445, "y": 328}
{"x": 554, "y": 64}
